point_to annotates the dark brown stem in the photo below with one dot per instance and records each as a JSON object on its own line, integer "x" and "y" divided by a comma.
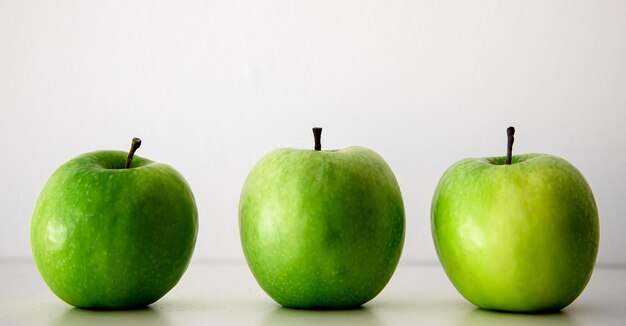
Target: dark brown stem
{"x": 133, "y": 147}
{"x": 317, "y": 134}
{"x": 510, "y": 132}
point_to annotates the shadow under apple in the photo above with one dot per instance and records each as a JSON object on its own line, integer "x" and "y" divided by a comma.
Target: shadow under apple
{"x": 479, "y": 316}
{"x": 145, "y": 316}
{"x": 286, "y": 316}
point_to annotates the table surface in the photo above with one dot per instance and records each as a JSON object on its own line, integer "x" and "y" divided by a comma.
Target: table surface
{"x": 225, "y": 293}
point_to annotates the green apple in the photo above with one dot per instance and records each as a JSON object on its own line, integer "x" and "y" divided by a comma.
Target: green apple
{"x": 112, "y": 232}
{"x": 516, "y": 233}
{"x": 322, "y": 229}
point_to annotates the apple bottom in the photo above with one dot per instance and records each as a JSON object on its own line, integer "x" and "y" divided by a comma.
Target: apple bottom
{"x": 330, "y": 280}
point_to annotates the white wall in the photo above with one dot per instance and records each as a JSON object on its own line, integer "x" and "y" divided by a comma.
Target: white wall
{"x": 210, "y": 86}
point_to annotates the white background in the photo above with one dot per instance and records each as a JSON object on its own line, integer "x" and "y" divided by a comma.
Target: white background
{"x": 210, "y": 86}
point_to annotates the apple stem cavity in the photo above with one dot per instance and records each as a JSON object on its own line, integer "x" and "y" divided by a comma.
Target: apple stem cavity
{"x": 510, "y": 132}
{"x": 133, "y": 148}
{"x": 317, "y": 134}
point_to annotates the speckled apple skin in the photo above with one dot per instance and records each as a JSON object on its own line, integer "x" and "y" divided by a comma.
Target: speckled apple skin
{"x": 521, "y": 237}
{"x": 322, "y": 229}
{"x": 104, "y": 237}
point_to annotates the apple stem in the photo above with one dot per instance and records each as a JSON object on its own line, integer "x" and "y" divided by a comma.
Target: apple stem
{"x": 317, "y": 134}
{"x": 133, "y": 147}
{"x": 510, "y": 131}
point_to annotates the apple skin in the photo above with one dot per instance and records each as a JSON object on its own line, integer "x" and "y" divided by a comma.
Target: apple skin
{"x": 322, "y": 229}
{"x": 105, "y": 237}
{"x": 521, "y": 237}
